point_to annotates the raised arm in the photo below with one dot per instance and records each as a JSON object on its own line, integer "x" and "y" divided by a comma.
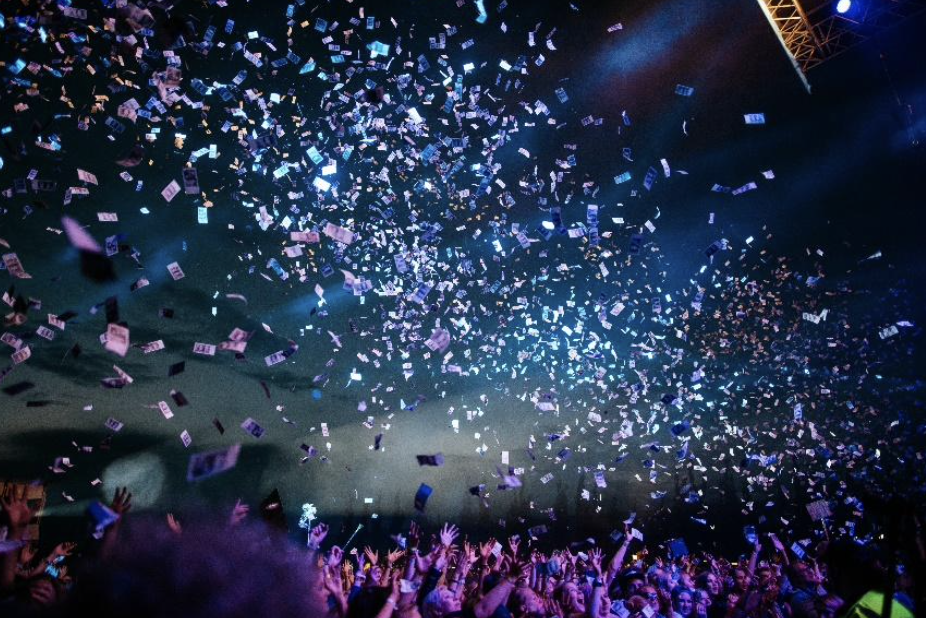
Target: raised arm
{"x": 62, "y": 550}
{"x": 334, "y": 584}
{"x": 391, "y": 558}
{"x": 239, "y": 513}
{"x": 754, "y": 559}
{"x": 392, "y": 600}
{"x": 467, "y": 558}
{"x": 780, "y": 548}
{"x": 495, "y": 597}
{"x": 594, "y": 607}
{"x": 121, "y": 505}
{"x": 614, "y": 567}
{"x": 317, "y": 536}
{"x": 536, "y": 580}
{"x": 485, "y": 550}
{"x": 17, "y": 514}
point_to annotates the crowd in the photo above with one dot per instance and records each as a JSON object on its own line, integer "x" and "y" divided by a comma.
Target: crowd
{"x": 244, "y": 568}
{"x": 365, "y": 188}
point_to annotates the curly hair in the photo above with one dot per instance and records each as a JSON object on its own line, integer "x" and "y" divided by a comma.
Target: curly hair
{"x": 208, "y": 572}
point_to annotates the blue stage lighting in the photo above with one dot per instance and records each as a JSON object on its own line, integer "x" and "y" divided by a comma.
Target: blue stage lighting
{"x": 843, "y": 6}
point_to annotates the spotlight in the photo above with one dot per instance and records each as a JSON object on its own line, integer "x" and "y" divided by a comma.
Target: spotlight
{"x": 843, "y": 6}
{"x": 145, "y": 474}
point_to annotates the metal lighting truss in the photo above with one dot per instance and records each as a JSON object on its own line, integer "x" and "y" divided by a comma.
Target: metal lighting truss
{"x": 812, "y": 32}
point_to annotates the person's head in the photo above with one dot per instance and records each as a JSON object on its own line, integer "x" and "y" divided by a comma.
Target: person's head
{"x": 770, "y": 592}
{"x": 683, "y": 602}
{"x": 709, "y": 582}
{"x": 765, "y": 577}
{"x": 733, "y": 598}
{"x": 551, "y": 585}
{"x": 701, "y": 597}
{"x": 741, "y": 580}
{"x": 856, "y": 570}
{"x": 685, "y": 580}
{"x": 656, "y": 576}
{"x": 650, "y": 595}
{"x": 632, "y": 582}
{"x": 439, "y": 602}
{"x": 571, "y": 598}
{"x": 207, "y": 573}
{"x": 634, "y": 605}
{"x": 803, "y": 575}
{"x": 662, "y": 579}
{"x": 367, "y": 603}
{"x": 524, "y": 603}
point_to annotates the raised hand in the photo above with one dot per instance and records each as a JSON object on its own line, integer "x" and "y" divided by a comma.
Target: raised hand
{"x": 28, "y": 553}
{"x": 239, "y": 513}
{"x": 317, "y": 535}
{"x": 335, "y": 557}
{"x": 333, "y": 582}
{"x": 42, "y": 592}
{"x": 506, "y": 564}
{"x": 665, "y": 599}
{"x": 395, "y": 589}
{"x": 448, "y": 535}
{"x": 392, "y": 556}
{"x": 486, "y": 548}
{"x": 174, "y": 525}
{"x": 424, "y": 561}
{"x": 552, "y": 607}
{"x": 16, "y": 509}
{"x": 122, "y": 501}
{"x": 502, "y": 562}
{"x": 469, "y": 553}
{"x": 595, "y": 556}
{"x": 776, "y": 542}
{"x": 63, "y": 549}
{"x": 520, "y": 569}
{"x": 372, "y": 556}
{"x": 513, "y": 544}
{"x": 414, "y": 535}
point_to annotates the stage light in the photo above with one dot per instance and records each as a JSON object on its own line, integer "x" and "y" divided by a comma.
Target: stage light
{"x": 145, "y": 474}
{"x": 548, "y": 225}
{"x": 843, "y": 6}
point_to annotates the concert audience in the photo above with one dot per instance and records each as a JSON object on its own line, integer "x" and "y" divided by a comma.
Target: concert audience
{"x": 240, "y": 568}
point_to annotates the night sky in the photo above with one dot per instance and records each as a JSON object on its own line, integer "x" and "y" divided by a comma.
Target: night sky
{"x": 721, "y": 355}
